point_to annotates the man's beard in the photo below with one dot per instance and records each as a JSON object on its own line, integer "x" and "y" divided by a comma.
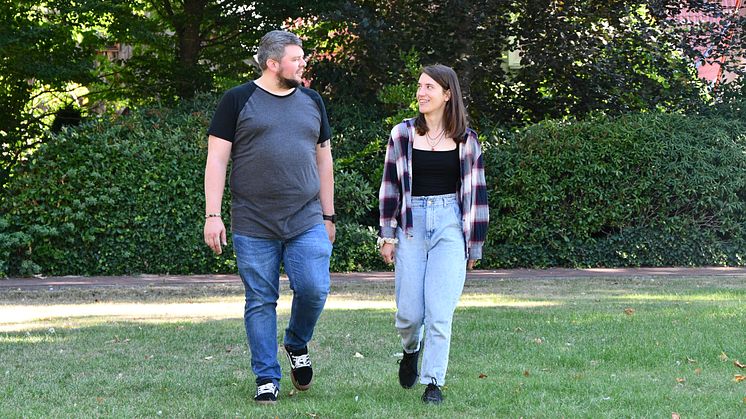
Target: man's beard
{"x": 288, "y": 83}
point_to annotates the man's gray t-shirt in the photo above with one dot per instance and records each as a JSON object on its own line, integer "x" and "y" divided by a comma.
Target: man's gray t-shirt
{"x": 274, "y": 177}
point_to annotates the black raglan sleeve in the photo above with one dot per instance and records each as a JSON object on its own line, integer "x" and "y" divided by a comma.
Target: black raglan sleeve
{"x": 325, "y": 133}
{"x": 224, "y": 120}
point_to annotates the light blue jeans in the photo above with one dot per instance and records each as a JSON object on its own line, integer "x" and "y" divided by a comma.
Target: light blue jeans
{"x": 306, "y": 261}
{"x": 430, "y": 273}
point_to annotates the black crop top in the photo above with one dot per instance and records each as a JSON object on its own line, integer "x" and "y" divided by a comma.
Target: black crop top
{"x": 435, "y": 172}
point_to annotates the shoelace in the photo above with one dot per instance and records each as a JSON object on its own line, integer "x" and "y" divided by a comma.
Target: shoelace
{"x": 300, "y": 361}
{"x": 266, "y": 388}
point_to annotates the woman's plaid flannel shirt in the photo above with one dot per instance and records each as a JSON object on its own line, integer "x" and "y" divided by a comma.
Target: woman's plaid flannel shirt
{"x": 397, "y": 184}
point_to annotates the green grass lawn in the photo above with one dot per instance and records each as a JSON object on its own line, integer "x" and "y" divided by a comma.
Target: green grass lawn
{"x": 632, "y": 347}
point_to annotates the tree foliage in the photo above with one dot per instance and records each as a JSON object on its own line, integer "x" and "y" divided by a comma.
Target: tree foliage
{"x": 577, "y": 56}
{"x": 42, "y": 55}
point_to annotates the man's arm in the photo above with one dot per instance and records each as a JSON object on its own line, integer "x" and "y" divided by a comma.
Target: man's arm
{"x": 326, "y": 175}
{"x": 218, "y": 155}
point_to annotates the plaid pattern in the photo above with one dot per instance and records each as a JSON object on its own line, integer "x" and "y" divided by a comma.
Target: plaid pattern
{"x": 395, "y": 194}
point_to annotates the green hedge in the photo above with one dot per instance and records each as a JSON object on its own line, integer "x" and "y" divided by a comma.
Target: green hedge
{"x": 115, "y": 197}
{"x": 125, "y": 195}
{"x": 641, "y": 190}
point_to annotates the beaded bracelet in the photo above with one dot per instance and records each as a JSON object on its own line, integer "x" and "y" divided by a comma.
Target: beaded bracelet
{"x": 383, "y": 240}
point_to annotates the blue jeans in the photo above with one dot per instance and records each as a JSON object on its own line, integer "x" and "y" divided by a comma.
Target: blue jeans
{"x": 430, "y": 273}
{"x": 306, "y": 261}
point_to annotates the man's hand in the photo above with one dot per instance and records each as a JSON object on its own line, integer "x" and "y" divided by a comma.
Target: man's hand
{"x": 387, "y": 252}
{"x": 331, "y": 230}
{"x": 215, "y": 234}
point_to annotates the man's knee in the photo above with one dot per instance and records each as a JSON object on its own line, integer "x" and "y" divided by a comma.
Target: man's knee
{"x": 313, "y": 292}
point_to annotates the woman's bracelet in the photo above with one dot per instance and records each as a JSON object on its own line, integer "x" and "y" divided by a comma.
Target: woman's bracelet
{"x": 384, "y": 240}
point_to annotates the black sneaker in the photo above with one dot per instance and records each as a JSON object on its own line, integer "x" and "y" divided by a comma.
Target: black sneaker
{"x": 266, "y": 393}
{"x": 432, "y": 394}
{"x": 408, "y": 369}
{"x": 301, "y": 372}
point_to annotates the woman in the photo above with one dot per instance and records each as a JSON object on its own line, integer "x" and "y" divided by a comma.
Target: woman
{"x": 434, "y": 214}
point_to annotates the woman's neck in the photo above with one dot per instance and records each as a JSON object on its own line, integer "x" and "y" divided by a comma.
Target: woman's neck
{"x": 434, "y": 122}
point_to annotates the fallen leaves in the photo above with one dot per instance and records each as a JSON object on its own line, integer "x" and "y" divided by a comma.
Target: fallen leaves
{"x": 723, "y": 357}
{"x": 738, "y": 364}
{"x": 681, "y": 380}
{"x": 675, "y": 415}
{"x": 482, "y": 375}
{"x": 629, "y": 311}
{"x": 117, "y": 340}
{"x": 739, "y": 377}
{"x": 359, "y": 355}
{"x": 526, "y": 373}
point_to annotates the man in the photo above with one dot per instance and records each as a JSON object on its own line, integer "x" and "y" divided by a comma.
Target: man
{"x": 277, "y": 135}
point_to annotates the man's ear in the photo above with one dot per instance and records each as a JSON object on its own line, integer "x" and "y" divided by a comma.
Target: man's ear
{"x": 273, "y": 65}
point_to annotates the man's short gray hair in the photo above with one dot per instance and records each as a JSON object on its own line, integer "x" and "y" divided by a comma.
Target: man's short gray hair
{"x": 272, "y": 46}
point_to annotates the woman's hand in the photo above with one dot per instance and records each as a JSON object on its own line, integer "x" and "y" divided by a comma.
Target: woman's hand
{"x": 387, "y": 252}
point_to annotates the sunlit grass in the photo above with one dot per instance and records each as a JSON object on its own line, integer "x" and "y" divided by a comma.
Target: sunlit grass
{"x": 21, "y": 317}
{"x": 690, "y": 297}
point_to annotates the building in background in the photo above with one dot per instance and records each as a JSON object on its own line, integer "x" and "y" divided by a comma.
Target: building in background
{"x": 710, "y": 68}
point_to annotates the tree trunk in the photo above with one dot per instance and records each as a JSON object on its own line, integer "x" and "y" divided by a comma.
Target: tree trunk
{"x": 465, "y": 39}
{"x": 189, "y": 47}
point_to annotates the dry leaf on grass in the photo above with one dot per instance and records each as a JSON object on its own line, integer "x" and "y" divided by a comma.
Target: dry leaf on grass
{"x": 681, "y": 380}
{"x": 526, "y": 373}
{"x": 538, "y": 341}
{"x": 117, "y": 340}
{"x": 359, "y": 355}
{"x": 629, "y": 311}
{"x": 482, "y": 375}
{"x": 698, "y": 371}
{"x": 675, "y": 415}
{"x": 723, "y": 357}
{"x": 691, "y": 361}
{"x": 739, "y": 377}
{"x": 739, "y": 364}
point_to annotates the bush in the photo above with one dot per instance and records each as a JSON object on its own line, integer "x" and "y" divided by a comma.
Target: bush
{"x": 125, "y": 196}
{"x": 640, "y": 190}
{"x": 116, "y": 196}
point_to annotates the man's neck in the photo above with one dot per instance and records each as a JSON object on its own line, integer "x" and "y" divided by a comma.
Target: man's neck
{"x": 270, "y": 84}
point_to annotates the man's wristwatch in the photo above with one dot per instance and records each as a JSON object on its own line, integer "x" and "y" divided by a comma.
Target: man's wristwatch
{"x": 332, "y": 218}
